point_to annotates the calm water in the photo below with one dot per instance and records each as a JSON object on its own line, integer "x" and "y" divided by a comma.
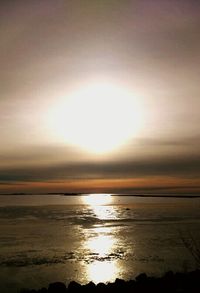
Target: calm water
{"x": 47, "y": 238}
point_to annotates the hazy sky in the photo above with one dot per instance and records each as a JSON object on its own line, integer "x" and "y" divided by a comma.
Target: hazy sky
{"x": 51, "y": 49}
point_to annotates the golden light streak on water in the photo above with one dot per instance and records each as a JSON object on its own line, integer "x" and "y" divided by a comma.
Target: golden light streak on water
{"x": 102, "y": 242}
{"x": 102, "y": 271}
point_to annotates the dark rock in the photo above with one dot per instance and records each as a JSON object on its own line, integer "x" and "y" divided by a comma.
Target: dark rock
{"x": 168, "y": 275}
{"x": 169, "y": 283}
{"x": 28, "y": 290}
{"x": 101, "y": 287}
{"x": 57, "y": 287}
{"x": 74, "y": 287}
{"x": 90, "y": 287}
{"x": 120, "y": 284}
{"x": 43, "y": 290}
{"x": 141, "y": 278}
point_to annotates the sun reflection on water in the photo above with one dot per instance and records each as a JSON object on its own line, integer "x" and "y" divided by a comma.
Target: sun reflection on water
{"x": 100, "y": 205}
{"x": 102, "y": 271}
{"x": 103, "y": 267}
{"x": 104, "y": 212}
{"x": 101, "y": 241}
{"x": 98, "y": 199}
{"x": 101, "y": 245}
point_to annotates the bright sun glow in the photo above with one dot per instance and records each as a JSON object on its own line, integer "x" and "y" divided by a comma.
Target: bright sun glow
{"x": 97, "y": 199}
{"x": 98, "y": 118}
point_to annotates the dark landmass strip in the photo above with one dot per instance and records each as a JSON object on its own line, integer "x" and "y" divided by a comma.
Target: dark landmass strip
{"x": 162, "y": 196}
{"x": 84, "y": 193}
{"x": 170, "y": 283}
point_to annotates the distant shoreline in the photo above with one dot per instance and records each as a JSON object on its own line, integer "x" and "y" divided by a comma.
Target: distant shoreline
{"x": 114, "y": 194}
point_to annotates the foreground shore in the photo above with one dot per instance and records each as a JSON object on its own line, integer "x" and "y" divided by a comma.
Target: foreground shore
{"x": 169, "y": 283}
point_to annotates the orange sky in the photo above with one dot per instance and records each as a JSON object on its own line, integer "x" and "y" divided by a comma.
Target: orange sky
{"x": 150, "y": 185}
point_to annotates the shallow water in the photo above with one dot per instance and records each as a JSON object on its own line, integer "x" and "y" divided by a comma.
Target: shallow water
{"x": 47, "y": 238}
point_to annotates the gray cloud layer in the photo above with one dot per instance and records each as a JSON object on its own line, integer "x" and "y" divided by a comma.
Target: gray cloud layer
{"x": 188, "y": 167}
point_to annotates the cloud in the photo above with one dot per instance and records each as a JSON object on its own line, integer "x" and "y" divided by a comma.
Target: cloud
{"x": 193, "y": 141}
{"x": 188, "y": 167}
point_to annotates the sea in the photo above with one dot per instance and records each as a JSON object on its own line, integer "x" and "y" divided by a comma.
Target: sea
{"x": 47, "y": 238}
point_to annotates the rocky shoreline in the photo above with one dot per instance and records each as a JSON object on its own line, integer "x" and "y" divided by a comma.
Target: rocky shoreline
{"x": 169, "y": 283}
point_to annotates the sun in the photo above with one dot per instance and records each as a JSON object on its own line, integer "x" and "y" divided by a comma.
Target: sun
{"x": 98, "y": 118}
